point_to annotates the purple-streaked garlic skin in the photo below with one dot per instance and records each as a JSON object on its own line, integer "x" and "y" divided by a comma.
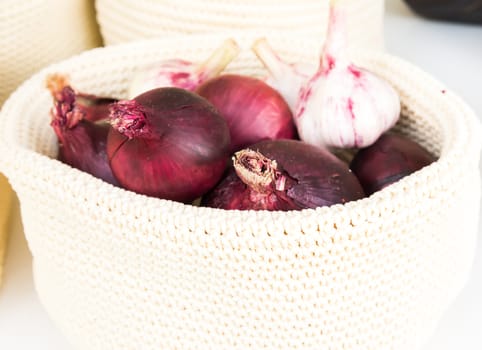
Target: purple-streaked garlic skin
{"x": 289, "y": 88}
{"x": 283, "y": 76}
{"x": 174, "y": 72}
{"x": 343, "y": 105}
{"x": 181, "y": 73}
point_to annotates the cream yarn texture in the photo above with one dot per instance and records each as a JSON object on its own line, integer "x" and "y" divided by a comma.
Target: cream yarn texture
{"x": 36, "y": 33}
{"x": 117, "y": 270}
{"x": 127, "y": 20}
{"x": 5, "y": 204}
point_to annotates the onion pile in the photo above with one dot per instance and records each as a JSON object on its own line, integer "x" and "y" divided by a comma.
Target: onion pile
{"x": 230, "y": 141}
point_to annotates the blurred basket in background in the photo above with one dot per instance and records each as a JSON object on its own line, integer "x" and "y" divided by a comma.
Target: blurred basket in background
{"x": 126, "y": 20}
{"x": 118, "y": 270}
{"x": 34, "y": 34}
{"x": 5, "y": 203}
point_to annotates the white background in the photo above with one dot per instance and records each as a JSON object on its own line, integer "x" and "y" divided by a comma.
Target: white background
{"x": 450, "y": 52}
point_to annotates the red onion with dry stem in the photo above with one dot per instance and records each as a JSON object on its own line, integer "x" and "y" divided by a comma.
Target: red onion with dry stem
{"x": 284, "y": 175}
{"x": 168, "y": 143}
{"x": 82, "y": 143}
{"x": 85, "y": 106}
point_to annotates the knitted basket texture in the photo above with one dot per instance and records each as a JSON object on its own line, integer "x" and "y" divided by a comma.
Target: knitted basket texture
{"x": 118, "y": 270}
{"x": 5, "y": 204}
{"x": 127, "y": 20}
{"x": 36, "y": 33}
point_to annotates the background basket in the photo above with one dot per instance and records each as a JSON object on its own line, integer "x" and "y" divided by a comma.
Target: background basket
{"x": 127, "y": 20}
{"x": 117, "y": 270}
{"x": 33, "y": 34}
{"x": 5, "y": 203}
{"x": 36, "y": 33}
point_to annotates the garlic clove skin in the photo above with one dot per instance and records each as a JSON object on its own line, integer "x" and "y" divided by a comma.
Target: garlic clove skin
{"x": 343, "y": 105}
{"x": 286, "y": 78}
{"x": 173, "y": 72}
{"x": 348, "y": 107}
{"x": 182, "y": 73}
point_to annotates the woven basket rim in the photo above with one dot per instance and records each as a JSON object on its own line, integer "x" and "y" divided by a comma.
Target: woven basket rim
{"x": 335, "y": 213}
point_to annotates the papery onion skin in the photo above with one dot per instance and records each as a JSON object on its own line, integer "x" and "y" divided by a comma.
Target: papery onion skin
{"x": 303, "y": 176}
{"x": 168, "y": 143}
{"x": 82, "y": 144}
{"x": 86, "y": 106}
{"x": 95, "y": 108}
{"x": 390, "y": 158}
{"x": 253, "y": 110}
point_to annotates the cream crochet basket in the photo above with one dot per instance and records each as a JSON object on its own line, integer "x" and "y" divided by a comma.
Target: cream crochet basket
{"x": 36, "y": 33}
{"x": 127, "y": 20}
{"x": 118, "y": 270}
{"x": 5, "y": 204}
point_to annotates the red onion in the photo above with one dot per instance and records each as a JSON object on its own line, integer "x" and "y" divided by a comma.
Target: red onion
{"x": 82, "y": 143}
{"x": 253, "y": 110}
{"x": 389, "y": 159}
{"x": 284, "y": 175}
{"x": 168, "y": 143}
{"x": 84, "y": 106}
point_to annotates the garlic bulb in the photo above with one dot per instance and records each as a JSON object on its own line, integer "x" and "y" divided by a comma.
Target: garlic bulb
{"x": 343, "y": 105}
{"x": 181, "y": 73}
{"x": 286, "y": 78}
{"x": 336, "y": 104}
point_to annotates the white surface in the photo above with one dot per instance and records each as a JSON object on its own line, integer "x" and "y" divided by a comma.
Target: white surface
{"x": 450, "y": 52}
